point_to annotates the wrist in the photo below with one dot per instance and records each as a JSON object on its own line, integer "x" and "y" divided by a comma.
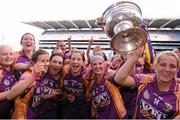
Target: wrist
{"x": 133, "y": 58}
{"x": 34, "y": 76}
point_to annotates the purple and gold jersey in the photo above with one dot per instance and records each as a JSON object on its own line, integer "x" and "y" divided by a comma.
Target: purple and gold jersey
{"x": 129, "y": 97}
{"x": 22, "y": 58}
{"x": 33, "y": 102}
{"x": 153, "y": 103}
{"x": 103, "y": 101}
{"x": 36, "y": 106}
{"x": 33, "y": 110}
{"x": 75, "y": 85}
{"x": 7, "y": 81}
{"x": 48, "y": 84}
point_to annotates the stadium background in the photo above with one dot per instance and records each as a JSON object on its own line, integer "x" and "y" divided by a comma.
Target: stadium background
{"x": 164, "y": 33}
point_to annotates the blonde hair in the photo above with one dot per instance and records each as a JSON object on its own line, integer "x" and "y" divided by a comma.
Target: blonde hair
{"x": 168, "y": 53}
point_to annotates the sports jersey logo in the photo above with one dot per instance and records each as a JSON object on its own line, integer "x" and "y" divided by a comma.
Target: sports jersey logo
{"x": 6, "y": 82}
{"x": 156, "y": 101}
{"x": 36, "y": 97}
{"x": 148, "y": 111}
{"x": 101, "y": 88}
{"x": 7, "y": 89}
{"x": 167, "y": 107}
{"x": 74, "y": 91}
{"x": 38, "y": 91}
{"x": 146, "y": 94}
{"x": 36, "y": 100}
{"x": 65, "y": 82}
{"x": 102, "y": 100}
{"x": 47, "y": 90}
{"x": 45, "y": 81}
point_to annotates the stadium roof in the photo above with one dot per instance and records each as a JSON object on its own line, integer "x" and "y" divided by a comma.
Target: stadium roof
{"x": 154, "y": 24}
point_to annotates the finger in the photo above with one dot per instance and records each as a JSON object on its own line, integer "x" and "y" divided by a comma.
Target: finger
{"x": 91, "y": 37}
{"x": 69, "y": 38}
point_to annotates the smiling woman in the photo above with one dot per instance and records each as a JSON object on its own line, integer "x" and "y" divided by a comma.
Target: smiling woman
{"x": 153, "y": 91}
{"x": 7, "y": 80}
{"x": 23, "y": 57}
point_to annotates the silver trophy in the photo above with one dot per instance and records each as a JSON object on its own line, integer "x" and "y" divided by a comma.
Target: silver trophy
{"x": 121, "y": 22}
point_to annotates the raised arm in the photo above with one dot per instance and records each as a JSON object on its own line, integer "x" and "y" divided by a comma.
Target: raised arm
{"x": 27, "y": 80}
{"x": 20, "y": 87}
{"x": 89, "y": 49}
{"x": 69, "y": 43}
{"x": 3, "y": 95}
{"x": 21, "y": 66}
{"x": 122, "y": 76}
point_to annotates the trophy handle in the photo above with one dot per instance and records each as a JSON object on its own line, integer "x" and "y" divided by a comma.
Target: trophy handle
{"x": 100, "y": 22}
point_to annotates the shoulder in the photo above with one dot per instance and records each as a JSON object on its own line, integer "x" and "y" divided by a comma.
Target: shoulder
{"x": 177, "y": 90}
{"x": 88, "y": 73}
{"x": 177, "y": 85}
{"x": 18, "y": 54}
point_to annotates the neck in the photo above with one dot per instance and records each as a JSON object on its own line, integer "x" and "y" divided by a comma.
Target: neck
{"x": 75, "y": 74}
{"x": 55, "y": 75}
{"x": 164, "y": 86}
{"x": 28, "y": 53}
{"x": 99, "y": 78}
{"x": 7, "y": 68}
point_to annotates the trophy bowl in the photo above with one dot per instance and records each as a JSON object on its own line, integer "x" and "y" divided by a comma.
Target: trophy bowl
{"x": 121, "y": 22}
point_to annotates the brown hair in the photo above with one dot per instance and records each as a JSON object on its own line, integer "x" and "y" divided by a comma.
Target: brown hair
{"x": 81, "y": 52}
{"x": 37, "y": 53}
{"x": 27, "y": 34}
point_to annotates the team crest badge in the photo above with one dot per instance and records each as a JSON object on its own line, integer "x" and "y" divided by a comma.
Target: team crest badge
{"x": 146, "y": 94}
{"x": 6, "y": 82}
{"x": 45, "y": 81}
{"x": 65, "y": 82}
{"x": 167, "y": 107}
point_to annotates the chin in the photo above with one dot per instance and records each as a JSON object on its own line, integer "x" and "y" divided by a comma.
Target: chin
{"x": 75, "y": 71}
{"x": 165, "y": 80}
{"x": 8, "y": 64}
{"x": 55, "y": 72}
